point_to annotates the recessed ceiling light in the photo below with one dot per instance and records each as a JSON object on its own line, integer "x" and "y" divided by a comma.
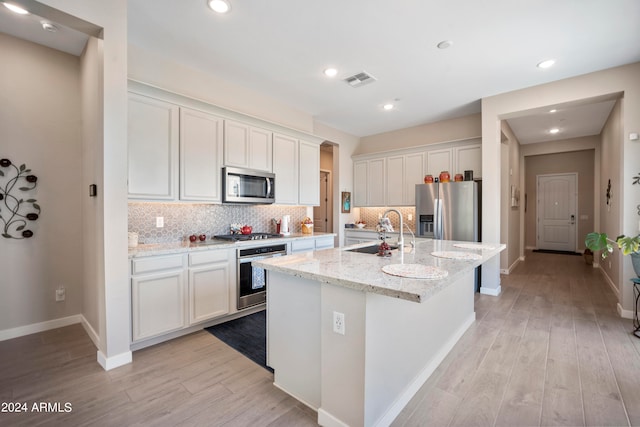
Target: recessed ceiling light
{"x": 16, "y": 9}
{"x": 547, "y": 63}
{"x": 219, "y": 6}
{"x": 445, "y": 44}
{"x": 330, "y": 72}
{"x": 553, "y": 111}
{"x": 48, "y": 26}
{"x": 388, "y": 106}
{"x": 554, "y": 130}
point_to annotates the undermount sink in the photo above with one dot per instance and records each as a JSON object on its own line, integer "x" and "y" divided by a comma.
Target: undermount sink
{"x": 373, "y": 249}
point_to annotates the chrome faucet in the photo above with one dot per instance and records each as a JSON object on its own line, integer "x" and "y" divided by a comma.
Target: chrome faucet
{"x": 400, "y": 237}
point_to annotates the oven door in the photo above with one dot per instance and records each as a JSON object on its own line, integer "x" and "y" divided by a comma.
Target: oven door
{"x": 252, "y": 282}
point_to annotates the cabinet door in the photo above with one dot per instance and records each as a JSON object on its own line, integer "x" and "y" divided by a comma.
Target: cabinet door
{"x": 158, "y": 303}
{"x": 395, "y": 181}
{"x": 469, "y": 158}
{"x": 376, "y": 181}
{"x": 200, "y": 156}
{"x": 236, "y": 144}
{"x": 413, "y": 174}
{"x": 152, "y": 133}
{"x": 438, "y": 161}
{"x": 285, "y": 166}
{"x": 360, "y": 183}
{"x": 260, "y": 149}
{"x": 309, "y": 174}
{"x": 208, "y": 291}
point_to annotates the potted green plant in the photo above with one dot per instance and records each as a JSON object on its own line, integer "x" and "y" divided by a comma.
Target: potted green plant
{"x": 628, "y": 246}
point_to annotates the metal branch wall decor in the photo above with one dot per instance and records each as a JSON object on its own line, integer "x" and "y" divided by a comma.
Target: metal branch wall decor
{"x": 15, "y": 211}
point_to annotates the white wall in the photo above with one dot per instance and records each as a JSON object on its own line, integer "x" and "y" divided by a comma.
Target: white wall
{"x": 606, "y": 83}
{"x": 113, "y": 291}
{"x": 40, "y": 127}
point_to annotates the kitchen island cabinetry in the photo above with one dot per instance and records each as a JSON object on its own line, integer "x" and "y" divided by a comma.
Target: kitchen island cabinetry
{"x": 153, "y": 138}
{"x": 395, "y": 329}
{"x": 158, "y": 287}
{"x": 211, "y": 279}
{"x": 247, "y": 146}
{"x": 355, "y": 236}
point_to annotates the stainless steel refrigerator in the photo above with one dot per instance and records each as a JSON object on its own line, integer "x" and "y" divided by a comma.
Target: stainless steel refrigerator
{"x": 448, "y": 211}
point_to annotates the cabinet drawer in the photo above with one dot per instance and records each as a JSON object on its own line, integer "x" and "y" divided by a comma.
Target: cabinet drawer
{"x": 157, "y": 263}
{"x": 208, "y": 257}
{"x": 324, "y": 242}
{"x": 302, "y": 245}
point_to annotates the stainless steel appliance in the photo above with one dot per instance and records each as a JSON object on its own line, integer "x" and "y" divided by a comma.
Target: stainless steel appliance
{"x": 448, "y": 210}
{"x": 244, "y": 237}
{"x": 252, "y": 281}
{"x": 247, "y": 186}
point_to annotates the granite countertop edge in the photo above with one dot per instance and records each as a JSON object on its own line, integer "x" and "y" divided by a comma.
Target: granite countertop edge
{"x": 362, "y": 272}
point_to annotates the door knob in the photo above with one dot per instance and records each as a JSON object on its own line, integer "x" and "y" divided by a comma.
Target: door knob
{"x": 573, "y": 219}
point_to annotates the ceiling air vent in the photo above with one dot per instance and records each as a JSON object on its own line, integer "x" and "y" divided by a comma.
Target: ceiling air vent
{"x": 360, "y": 79}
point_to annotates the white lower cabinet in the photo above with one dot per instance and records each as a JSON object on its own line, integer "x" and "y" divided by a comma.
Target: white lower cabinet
{"x": 158, "y": 287}
{"x": 312, "y": 244}
{"x": 173, "y": 292}
{"x": 210, "y": 275}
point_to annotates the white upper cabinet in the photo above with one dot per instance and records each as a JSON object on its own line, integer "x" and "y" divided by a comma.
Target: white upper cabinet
{"x": 309, "y": 174}
{"x": 200, "y": 156}
{"x": 285, "y": 167}
{"x": 413, "y": 174}
{"x": 390, "y": 179}
{"x": 469, "y": 158}
{"x": 153, "y": 138}
{"x": 247, "y": 147}
{"x": 438, "y": 161}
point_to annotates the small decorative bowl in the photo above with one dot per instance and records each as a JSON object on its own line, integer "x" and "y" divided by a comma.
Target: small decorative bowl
{"x": 361, "y": 225}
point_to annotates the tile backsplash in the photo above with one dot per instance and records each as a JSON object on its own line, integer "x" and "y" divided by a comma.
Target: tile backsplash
{"x": 370, "y": 216}
{"x": 182, "y": 220}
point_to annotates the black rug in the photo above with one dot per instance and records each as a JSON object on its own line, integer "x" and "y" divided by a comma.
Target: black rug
{"x": 549, "y": 251}
{"x": 247, "y": 334}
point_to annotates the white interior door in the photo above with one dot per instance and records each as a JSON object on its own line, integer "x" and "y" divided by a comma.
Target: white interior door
{"x": 556, "y": 216}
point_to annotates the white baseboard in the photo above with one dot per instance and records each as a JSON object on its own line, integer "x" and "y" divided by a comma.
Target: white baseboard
{"x": 90, "y": 331}
{"x": 325, "y": 419}
{"x": 491, "y": 291}
{"x": 116, "y": 361}
{"x": 522, "y": 258}
{"x": 33, "y": 328}
{"x": 626, "y": 314}
{"x": 511, "y": 267}
{"x": 612, "y": 285}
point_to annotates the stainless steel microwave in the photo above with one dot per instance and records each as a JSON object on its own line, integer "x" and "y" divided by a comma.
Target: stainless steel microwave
{"x": 247, "y": 186}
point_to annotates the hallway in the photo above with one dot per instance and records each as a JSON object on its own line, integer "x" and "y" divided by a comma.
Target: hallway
{"x": 551, "y": 350}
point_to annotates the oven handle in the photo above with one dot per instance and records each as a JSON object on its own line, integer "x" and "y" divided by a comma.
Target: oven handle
{"x": 256, "y": 258}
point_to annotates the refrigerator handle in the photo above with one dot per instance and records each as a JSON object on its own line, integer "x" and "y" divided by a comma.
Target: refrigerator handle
{"x": 437, "y": 220}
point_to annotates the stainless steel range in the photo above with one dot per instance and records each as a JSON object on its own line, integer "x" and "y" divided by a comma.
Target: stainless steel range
{"x": 244, "y": 237}
{"x": 252, "y": 281}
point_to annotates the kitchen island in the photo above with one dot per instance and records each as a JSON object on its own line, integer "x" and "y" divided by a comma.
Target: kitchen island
{"x": 356, "y": 343}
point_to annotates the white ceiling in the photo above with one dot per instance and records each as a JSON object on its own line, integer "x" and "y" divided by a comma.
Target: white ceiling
{"x": 280, "y": 48}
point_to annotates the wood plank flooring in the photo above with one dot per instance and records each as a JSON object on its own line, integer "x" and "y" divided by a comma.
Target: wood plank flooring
{"x": 550, "y": 350}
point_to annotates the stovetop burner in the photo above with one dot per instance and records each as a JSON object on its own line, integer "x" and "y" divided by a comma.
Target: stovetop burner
{"x": 243, "y": 237}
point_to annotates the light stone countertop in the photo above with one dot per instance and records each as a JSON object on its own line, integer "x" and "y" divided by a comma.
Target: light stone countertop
{"x": 363, "y": 272}
{"x": 152, "y": 249}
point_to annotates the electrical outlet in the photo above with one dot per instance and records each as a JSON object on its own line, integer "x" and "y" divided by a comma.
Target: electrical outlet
{"x": 409, "y": 217}
{"x": 60, "y": 294}
{"x": 338, "y": 323}
{"x": 159, "y": 221}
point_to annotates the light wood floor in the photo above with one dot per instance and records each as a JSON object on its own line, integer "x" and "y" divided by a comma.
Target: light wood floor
{"x": 550, "y": 350}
